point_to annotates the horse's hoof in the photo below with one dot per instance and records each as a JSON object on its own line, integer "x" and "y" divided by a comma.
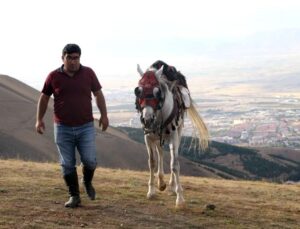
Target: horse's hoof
{"x": 171, "y": 192}
{"x": 180, "y": 203}
{"x": 162, "y": 187}
{"x": 150, "y": 196}
{"x": 180, "y": 206}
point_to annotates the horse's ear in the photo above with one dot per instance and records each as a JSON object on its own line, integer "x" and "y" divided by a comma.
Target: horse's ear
{"x": 140, "y": 70}
{"x": 159, "y": 72}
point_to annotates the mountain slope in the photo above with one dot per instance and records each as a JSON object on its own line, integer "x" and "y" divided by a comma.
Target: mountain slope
{"x": 17, "y": 119}
{"x": 126, "y": 150}
{"x": 18, "y": 138}
{"x": 32, "y": 196}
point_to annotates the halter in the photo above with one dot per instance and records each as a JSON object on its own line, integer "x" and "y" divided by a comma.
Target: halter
{"x": 148, "y": 93}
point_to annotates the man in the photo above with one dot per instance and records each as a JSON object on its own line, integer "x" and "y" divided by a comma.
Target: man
{"x": 71, "y": 85}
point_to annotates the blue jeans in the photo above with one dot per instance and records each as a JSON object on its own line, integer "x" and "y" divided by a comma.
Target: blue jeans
{"x": 68, "y": 139}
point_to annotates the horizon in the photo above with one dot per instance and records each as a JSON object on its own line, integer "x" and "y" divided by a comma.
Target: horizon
{"x": 192, "y": 36}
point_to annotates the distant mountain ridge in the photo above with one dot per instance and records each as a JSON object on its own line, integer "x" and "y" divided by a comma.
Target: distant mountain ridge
{"x": 234, "y": 162}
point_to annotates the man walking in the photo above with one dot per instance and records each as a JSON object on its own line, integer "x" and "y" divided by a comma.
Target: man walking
{"x": 71, "y": 86}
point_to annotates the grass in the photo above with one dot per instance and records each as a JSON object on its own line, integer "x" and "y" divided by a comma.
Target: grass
{"x": 32, "y": 196}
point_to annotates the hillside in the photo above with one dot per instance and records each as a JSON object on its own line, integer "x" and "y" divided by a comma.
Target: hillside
{"x": 33, "y": 197}
{"x": 233, "y": 162}
{"x": 18, "y": 138}
{"x": 124, "y": 148}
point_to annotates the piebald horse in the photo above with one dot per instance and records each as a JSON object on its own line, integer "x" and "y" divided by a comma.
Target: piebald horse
{"x": 162, "y": 118}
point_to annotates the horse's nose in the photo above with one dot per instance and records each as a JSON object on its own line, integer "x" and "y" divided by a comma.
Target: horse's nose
{"x": 143, "y": 120}
{"x": 147, "y": 122}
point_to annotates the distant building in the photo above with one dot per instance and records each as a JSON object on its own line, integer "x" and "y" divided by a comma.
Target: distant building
{"x": 257, "y": 140}
{"x": 244, "y": 135}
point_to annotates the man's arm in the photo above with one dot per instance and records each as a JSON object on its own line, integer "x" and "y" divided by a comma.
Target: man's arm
{"x": 100, "y": 101}
{"x": 41, "y": 110}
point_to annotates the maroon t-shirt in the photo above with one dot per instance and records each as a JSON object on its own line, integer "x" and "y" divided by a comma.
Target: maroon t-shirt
{"x": 72, "y": 95}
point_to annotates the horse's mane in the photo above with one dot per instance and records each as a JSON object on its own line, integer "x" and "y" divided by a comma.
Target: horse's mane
{"x": 181, "y": 79}
{"x": 170, "y": 72}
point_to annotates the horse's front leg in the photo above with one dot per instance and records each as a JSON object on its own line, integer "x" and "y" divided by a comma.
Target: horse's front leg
{"x": 172, "y": 183}
{"x": 151, "y": 162}
{"x": 175, "y": 168}
{"x": 160, "y": 172}
{"x": 172, "y": 186}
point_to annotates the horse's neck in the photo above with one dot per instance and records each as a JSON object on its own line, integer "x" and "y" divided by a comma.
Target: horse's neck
{"x": 167, "y": 106}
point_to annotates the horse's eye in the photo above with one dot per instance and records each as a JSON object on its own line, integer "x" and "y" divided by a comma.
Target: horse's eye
{"x": 157, "y": 93}
{"x": 138, "y": 91}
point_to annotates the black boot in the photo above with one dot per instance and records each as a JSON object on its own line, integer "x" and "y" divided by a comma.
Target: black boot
{"x": 72, "y": 183}
{"x": 87, "y": 181}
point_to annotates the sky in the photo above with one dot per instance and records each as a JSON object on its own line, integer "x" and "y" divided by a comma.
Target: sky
{"x": 116, "y": 35}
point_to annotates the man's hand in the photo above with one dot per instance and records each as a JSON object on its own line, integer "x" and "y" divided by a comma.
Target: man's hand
{"x": 41, "y": 110}
{"x": 100, "y": 101}
{"x": 40, "y": 127}
{"x": 103, "y": 123}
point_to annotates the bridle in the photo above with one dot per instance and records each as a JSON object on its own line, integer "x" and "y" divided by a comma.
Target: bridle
{"x": 149, "y": 93}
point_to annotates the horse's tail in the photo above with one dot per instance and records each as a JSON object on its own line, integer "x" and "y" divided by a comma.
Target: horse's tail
{"x": 199, "y": 124}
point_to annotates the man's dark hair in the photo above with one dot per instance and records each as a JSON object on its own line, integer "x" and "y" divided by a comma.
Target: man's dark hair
{"x": 71, "y": 48}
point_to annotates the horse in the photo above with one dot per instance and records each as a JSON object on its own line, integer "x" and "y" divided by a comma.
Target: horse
{"x": 162, "y": 117}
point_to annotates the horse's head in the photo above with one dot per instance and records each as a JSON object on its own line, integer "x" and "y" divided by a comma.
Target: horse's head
{"x": 150, "y": 95}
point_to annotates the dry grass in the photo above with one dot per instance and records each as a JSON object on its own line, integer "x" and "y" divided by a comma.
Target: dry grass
{"x": 32, "y": 196}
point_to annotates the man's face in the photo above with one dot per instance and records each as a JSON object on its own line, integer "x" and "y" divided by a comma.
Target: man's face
{"x": 71, "y": 62}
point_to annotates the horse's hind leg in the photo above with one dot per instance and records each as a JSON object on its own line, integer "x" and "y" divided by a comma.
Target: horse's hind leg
{"x": 175, "y": 169}
{"x": 160, "y": 172}
{"x": 151, "y": 163}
